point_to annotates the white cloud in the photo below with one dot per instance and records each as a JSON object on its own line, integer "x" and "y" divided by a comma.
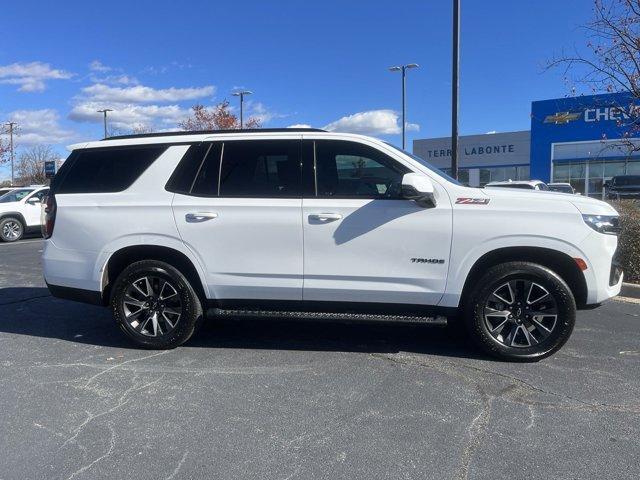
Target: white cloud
{"x": 101, "y": 92}
{"x": 261, "y": 112}
{"x": 491, "y": 132}
{"x": 31, "y": 77}
{"x": 373, "y": 122}
{"x": 130, "y": 116}
{"x": 98, "y": 66}
{"x": 300, "y": 125}
{"x": 39, "y": 126}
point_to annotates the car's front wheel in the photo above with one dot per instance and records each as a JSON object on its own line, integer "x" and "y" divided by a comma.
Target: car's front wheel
{"x": 155, "y": 305}
{"x": 520, "y": 311}
{"x": 11, "y": 229}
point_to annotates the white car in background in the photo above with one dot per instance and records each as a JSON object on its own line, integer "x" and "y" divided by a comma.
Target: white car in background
{"x": 521, "y": 184}
{"x": 20, "y": 212}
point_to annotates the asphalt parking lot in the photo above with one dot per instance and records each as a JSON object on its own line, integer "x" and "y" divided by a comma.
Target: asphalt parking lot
{"x": 281, "y": 399}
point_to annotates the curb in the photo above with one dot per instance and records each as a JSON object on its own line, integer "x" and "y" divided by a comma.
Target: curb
{"x": 631, "y": 290}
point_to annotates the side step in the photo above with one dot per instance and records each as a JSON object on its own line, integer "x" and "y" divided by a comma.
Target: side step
{"x": 432, "y": 320}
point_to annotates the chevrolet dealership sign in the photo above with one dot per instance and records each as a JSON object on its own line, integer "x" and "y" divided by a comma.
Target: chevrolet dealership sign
{"x": 579, "y": 119}
{"x": 604, "y": 114}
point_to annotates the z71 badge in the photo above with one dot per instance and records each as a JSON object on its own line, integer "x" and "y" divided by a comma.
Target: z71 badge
{"x": 472, "y": 201}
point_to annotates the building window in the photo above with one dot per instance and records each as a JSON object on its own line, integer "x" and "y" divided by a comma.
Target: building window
{"x": 588, "y": 177}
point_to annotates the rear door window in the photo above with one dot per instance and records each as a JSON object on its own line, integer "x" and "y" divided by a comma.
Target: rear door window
{"x": 105, "y": 170}
{"x": 261, "y": 169}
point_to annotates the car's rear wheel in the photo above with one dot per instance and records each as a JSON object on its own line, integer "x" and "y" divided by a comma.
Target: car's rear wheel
{"x": 11, "y": 229}
{"x": 520, "y": 311}
{"x": 155, "y": 305}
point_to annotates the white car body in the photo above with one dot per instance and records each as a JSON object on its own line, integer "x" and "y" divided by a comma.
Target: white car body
{"x": 321, "y": 250}
{"x": 26, "y": 209}
{"x": 520, "y": 184}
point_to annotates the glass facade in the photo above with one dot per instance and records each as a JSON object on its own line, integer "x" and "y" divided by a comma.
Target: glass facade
{"x": 479, "y": 177}
{"x": 588, "y": 176}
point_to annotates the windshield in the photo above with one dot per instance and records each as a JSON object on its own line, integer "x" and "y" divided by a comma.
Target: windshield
{"x": 16, "y": 195}
{"x": 422, "y": 161}
{"x": 561, "y": 188}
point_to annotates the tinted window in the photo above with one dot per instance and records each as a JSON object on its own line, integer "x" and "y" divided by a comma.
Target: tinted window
{"x": 16, "y": 195}
{"x": 182, "y": 179}
{"x": 627, "y": 180}
{"x": 347, "y": 169}
{"x": 206, "y": 182}
{"x": 40, "y": 195}
{"x": 261, "y": 168}
{"x": 106, "y": 169}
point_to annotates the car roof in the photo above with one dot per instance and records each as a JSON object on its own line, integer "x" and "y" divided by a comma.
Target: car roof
{"x": 207, "y": 135}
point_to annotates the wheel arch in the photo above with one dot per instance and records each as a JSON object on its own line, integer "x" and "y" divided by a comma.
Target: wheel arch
{"x": 125, "y": 256}
{"x": 556, "y": 261}
{"x": 17, "y": 215}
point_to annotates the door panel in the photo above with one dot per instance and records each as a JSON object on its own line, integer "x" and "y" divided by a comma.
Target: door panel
{"x": 242, "y": 217}
{"x": 249, "y": 247}
{"x": 366, "y": 255}
{"x": 363, "y": 242}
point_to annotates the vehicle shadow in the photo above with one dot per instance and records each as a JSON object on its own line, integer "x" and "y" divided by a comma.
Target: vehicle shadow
{"x": 32, "y": 311}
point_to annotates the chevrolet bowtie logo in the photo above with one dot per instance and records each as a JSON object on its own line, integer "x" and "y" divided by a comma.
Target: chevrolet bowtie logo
{"x": 561, "y": 117}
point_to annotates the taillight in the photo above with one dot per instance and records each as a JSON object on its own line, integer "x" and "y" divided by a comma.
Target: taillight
{"x": 49, "y": 214}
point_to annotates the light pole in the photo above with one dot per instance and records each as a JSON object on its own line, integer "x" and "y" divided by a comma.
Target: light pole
{"x": 403, "y": 69}
{"x": 241, "y": 94}
{"x": 455, "y": 84}
{"x": 11, "y": 126}
{"x": 104, "y": 112}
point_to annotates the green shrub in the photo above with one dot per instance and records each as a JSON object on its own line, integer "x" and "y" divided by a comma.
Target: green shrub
{"x": 629, "y": 241}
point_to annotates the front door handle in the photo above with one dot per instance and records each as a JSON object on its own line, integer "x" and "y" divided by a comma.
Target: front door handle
{"x": 325, "y": 217}
{"x": 200, "y": 217}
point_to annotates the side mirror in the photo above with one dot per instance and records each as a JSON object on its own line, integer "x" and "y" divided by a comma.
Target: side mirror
{"x": 33, "y": 200}
{"x": 419, "y": 188}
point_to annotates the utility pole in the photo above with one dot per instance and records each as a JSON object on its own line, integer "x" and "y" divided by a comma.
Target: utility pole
{"x": 104, "y": 112}
{"x": 403, "y": 69}
{"x": 11, "y": 126}
{"x": 455, "y": 84}
{"x": 241, "y": 94}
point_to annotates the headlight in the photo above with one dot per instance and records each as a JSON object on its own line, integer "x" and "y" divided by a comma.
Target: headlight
{"x": 608, "y": 224}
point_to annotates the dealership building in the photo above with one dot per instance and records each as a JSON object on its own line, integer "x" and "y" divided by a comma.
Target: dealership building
{"x": 581, "y": 140}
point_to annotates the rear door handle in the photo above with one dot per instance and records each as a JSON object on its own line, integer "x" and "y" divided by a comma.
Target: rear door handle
{"x": 325, "y": 217}
{"x": 200, "y": 217}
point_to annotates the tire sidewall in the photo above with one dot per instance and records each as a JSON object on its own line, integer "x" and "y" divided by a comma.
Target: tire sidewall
{"x": 7, "y": 220}
{"x": 520, "y": 270}
{"x": 190, "y": 304}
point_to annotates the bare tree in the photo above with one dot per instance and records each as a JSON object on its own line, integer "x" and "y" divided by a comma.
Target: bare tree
{"x": 30, "y": 164}
{"x": 4, "y": 145}
{"x": 610, "y": 61}
{"x": 218, "y": 117}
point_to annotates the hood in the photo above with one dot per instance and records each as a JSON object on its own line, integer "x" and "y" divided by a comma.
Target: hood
{"x": 585, "y": 205}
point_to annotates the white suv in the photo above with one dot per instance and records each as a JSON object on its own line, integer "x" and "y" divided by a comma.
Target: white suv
{"x": 164, "y": 227}
{"x": 20, "y": 212}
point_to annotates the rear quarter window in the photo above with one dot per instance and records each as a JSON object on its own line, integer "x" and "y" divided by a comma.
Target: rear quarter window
{"x": 105, "y": 170}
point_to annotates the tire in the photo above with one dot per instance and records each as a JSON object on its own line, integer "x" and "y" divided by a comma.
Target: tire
{"x": 11, "y": 229}
{"x": 136, "y": 301}
{"x": 537, "y": 295}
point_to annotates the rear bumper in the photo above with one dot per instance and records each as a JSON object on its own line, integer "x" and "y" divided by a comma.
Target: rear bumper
{"x": 76, "y": 294}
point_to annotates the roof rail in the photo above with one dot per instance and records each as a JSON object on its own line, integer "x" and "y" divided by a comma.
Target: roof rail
{"x": 213, "y": 132}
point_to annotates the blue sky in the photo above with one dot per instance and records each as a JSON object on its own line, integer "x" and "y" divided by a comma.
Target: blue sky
{"x": 314, "y": 63}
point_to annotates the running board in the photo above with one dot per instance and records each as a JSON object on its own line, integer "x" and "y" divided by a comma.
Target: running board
{"x": 432, "y": 320}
